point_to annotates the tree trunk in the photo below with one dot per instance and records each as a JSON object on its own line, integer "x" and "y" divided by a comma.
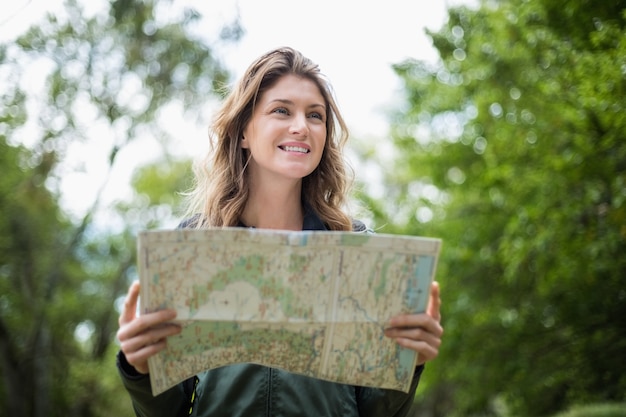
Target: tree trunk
{"x": 13, "y": 384}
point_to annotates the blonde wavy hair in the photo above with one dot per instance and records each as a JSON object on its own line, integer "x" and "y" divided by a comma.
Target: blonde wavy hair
{"x": 221, "y": 188}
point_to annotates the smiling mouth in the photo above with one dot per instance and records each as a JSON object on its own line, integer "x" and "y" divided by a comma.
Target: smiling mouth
{"x": 294, "y": 149}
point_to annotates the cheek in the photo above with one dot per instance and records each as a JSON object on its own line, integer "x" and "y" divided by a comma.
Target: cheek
{"x": 321, "y": 134}
{"x": 321, "y": 155}
{"x": 323, "y": 140}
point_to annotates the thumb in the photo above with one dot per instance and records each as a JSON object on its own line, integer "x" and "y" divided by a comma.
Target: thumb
{"x": 130, "y": 304}
{"x": 434, "y": 302}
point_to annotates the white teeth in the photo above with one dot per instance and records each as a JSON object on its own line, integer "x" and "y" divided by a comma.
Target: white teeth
{"x": 296, "y": 149}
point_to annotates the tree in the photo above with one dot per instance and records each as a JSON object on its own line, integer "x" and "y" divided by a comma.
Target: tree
{"x": 107, "y": 76}
{"x": 512, "y": 149}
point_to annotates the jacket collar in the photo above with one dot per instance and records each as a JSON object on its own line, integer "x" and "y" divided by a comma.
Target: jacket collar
{"x": 311, "y": 220}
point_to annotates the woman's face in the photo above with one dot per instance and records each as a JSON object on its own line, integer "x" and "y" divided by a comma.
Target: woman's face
{"x": 287, "y": 131}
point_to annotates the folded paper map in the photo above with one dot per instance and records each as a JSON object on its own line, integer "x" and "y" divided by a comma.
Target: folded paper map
{"x": 312, "y": 302}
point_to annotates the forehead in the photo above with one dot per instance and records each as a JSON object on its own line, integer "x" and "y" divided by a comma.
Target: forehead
{"x": 293, "y": 87}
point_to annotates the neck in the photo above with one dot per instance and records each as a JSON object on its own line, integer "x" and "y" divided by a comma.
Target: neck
{"x": 274, "y": 207}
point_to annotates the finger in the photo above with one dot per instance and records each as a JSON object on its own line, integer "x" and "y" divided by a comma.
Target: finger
{"x": 425, "y": 351}
{"x": 434, "y": 302}
{"x": 139, "y": 359}
{"x": 130, "y": 304}
{"x": 416, "y": 333}
{"x": 412, "y": 321}
{"x": 145, "y": 322}
{"x": 431, "y": 335}
{"x": 147, "y": 338}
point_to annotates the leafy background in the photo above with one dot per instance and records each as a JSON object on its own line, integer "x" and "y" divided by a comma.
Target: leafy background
{"x": 511, "y": 147}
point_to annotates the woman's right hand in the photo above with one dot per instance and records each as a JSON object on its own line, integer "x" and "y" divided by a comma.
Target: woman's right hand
{"x": 145, "y": 335}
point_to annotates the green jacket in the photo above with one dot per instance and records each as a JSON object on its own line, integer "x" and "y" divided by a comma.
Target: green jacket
{"x": 253, "y": 390}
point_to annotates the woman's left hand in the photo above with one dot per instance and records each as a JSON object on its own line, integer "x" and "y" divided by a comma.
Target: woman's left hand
{"x": 420, "y": 332}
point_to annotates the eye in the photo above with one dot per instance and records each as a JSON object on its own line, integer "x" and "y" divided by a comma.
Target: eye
{"x": 316, "y": 115}
{"x": 280, "y": 110}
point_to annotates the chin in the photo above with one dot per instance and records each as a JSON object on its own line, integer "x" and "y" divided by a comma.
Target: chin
{"x": 298, "y": 173}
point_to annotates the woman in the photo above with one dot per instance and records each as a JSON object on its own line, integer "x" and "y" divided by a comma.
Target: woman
{"x": 277, "y": 164}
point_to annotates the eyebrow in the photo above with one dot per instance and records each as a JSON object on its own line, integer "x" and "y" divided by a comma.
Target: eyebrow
{"x": 285, "y": 101}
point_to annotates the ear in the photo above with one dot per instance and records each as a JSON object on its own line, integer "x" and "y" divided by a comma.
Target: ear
{"x": 244, "y": 143}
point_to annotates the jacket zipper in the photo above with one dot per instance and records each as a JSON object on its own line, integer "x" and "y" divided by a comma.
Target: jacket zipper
{"x": 269, "y": 393}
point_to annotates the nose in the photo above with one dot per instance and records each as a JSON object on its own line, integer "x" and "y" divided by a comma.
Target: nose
{"x": 299, "y": 125}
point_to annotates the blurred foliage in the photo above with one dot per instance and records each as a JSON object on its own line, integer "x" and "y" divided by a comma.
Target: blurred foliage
{"x": 595, "y": 410}
{"x": 108, "y": 77}
{"x": 512, "y": 148}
